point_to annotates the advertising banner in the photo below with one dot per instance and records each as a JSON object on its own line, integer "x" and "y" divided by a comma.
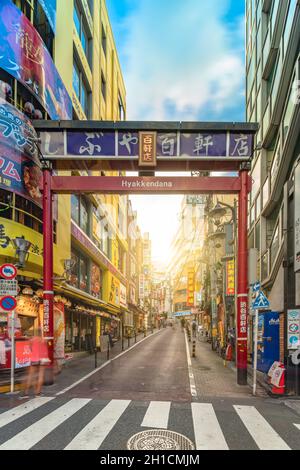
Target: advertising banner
{"x": 49, "y": 7}
{"x": 23, "y": 354}
{"x": 24, "y": 56}
{"x": 123, "y": 296}
{"x": 59, "y": 331}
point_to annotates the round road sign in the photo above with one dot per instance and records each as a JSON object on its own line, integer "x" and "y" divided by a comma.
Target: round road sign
{"x": 8, "y": 271}
{"x": 8, "y": 303}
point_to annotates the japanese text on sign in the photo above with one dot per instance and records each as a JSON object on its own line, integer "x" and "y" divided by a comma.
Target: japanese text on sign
{"x": 147, "y": 149}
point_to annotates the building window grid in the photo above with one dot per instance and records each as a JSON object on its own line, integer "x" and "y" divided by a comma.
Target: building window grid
{"x": 80, "y": 89}
{"x": 82, "y": 31}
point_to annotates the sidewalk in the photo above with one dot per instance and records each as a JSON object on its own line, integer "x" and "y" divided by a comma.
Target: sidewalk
{"x": 216, "y": 378}
{"x": 74, "y": 369}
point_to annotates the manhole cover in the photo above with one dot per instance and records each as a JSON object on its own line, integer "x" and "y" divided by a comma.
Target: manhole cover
{"x": 203, "y": 368}
{"x": 159, "y": 440}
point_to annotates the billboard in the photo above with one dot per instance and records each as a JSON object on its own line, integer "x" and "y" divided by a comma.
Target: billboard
{"x": 24, "y": 56}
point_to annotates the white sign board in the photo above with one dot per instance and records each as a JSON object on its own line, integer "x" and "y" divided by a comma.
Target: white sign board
{"x": 9, "y": 287}
{"x": 293, "y": 329}
{"x": 297, "y": 219}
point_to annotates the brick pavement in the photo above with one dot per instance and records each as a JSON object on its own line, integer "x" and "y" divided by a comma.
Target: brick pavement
{"x": 212, "y": 378}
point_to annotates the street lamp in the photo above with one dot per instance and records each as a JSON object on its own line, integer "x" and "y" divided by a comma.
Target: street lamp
{"x": 22, "y": 250}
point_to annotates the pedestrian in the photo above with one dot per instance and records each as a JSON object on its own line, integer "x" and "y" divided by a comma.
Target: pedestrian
{"x": 182, "y": 323}
{"x": 39, "y": 360}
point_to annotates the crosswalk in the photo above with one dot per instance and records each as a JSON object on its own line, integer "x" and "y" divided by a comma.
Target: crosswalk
{"x": 85, "y": 424}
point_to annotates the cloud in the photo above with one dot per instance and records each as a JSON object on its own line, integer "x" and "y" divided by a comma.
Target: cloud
{"x": 183, "y": 60}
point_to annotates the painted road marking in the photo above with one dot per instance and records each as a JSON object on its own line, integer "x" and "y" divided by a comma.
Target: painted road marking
{"x": 37, "y": 431}
{"x": 208, "y": 433}
{"x": 261, "y": 431}
{"x": 190, "y": 369}
{"x": 22, "y": 410}
{"x": 92, "y": 435}
{"x": 157, "y": 415}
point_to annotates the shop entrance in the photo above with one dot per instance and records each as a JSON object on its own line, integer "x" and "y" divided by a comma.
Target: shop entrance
{"x": 149, "y": 148}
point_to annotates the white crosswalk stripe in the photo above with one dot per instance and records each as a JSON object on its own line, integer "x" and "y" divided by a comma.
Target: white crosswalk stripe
{"x": 92, "y": 436}
{"x": 37, "y": 431}
{"x": 208, "y": 433}
{"x": 157, "y": 415}
{"x": 208, "y": 429}
{"x": 22, "y": 410}
{"x": 264, "y": 435}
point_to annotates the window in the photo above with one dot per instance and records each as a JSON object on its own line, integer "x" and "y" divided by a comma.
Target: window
{"x": 80, "y": 212}
{"x": 288, "y": 24}
{"x": 288, "y": 114}
{"x": 256, "y": 178}
{"x": 82, "y": 32}
{"x": 79, "y": 272}
{"x": 121, "y": 109}
{"x": 103, "y": 86}
{"x": 75, "y": 204}
{"x": 274, "y": 245}
{"x": 81, "y": 90}
{"x": 103, "y": 40}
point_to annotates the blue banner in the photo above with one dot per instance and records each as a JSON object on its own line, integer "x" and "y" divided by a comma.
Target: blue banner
{"x": 49, "y": 7}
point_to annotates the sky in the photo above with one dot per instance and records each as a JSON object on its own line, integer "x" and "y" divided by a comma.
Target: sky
{"x": 182, "y": 61}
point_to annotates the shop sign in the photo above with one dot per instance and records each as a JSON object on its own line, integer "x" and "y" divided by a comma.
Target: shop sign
{"x": 293, "y": 329}
{"x": 123, "y": 295}
{"x": 297, "y": 219}
{"x": 23, "y": 354}
{"x": 191, "y": 288}
{"x": 152, "y": 146}
{"x": 59, "y": 331}
{"x": 148, "y": 152}
{"x": 25, "y": 57}
{"x": 9, "y": 287}
{"x": 230, "y": 278}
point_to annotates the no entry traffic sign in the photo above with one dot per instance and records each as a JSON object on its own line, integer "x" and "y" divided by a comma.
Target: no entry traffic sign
{"x": 8, "y": 303}
{"x": 8, "y": 271}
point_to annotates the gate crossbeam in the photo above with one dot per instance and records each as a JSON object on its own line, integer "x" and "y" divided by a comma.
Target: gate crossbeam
{"x": 146, "y": 185}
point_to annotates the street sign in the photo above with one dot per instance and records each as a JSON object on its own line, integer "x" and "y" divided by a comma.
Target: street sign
{"x": 256, "y": 287}
{"x": 293, "y": 329}
{"x": 9, "y": 287}
{"x": 8, "y": 271}
{"x": 261, "y": 301}
{"x": 8, "y": 303}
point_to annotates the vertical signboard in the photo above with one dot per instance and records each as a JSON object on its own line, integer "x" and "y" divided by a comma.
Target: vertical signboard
{"x": 293, "y": 329}
{"x": 148, "y": 146}
{"x": 297, "y": 219}
{"x": 230, "y": 278}
{"x": 191, "y": 288}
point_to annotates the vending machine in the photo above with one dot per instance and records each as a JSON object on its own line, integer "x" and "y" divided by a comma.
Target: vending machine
{"x": 268, "y": 347}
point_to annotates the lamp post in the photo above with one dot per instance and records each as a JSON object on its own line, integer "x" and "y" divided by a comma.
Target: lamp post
{"x": 22, "y": 247}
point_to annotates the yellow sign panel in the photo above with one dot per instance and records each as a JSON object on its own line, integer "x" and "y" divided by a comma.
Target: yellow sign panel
{"x": 230, "y": 278}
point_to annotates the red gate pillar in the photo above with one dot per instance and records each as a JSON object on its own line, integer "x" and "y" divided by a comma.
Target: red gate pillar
{"x": 242, "y": 282}
{"x": 48, "y": 294}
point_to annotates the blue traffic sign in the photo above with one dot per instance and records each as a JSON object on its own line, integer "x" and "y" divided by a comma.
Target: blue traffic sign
{"x": 261, "y": 301}
{"x": 256, "y": 287}
{"x": 8, "y": 303}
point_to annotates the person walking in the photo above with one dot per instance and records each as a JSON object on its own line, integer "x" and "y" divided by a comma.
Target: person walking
{"x": 39, "y": 361}
{"x": 194, "y": 328}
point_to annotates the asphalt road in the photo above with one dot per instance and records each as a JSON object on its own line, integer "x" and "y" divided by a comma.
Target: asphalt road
{"x": 146, "y": 389}
{"x": 156, "y": 369}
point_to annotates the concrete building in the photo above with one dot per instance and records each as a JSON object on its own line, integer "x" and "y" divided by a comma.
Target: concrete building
{"x": 272, "y": 60}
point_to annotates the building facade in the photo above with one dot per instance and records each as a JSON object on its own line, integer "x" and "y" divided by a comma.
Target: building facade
{"x": 59, "y": 61}
{"x": 272, "y": 42}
